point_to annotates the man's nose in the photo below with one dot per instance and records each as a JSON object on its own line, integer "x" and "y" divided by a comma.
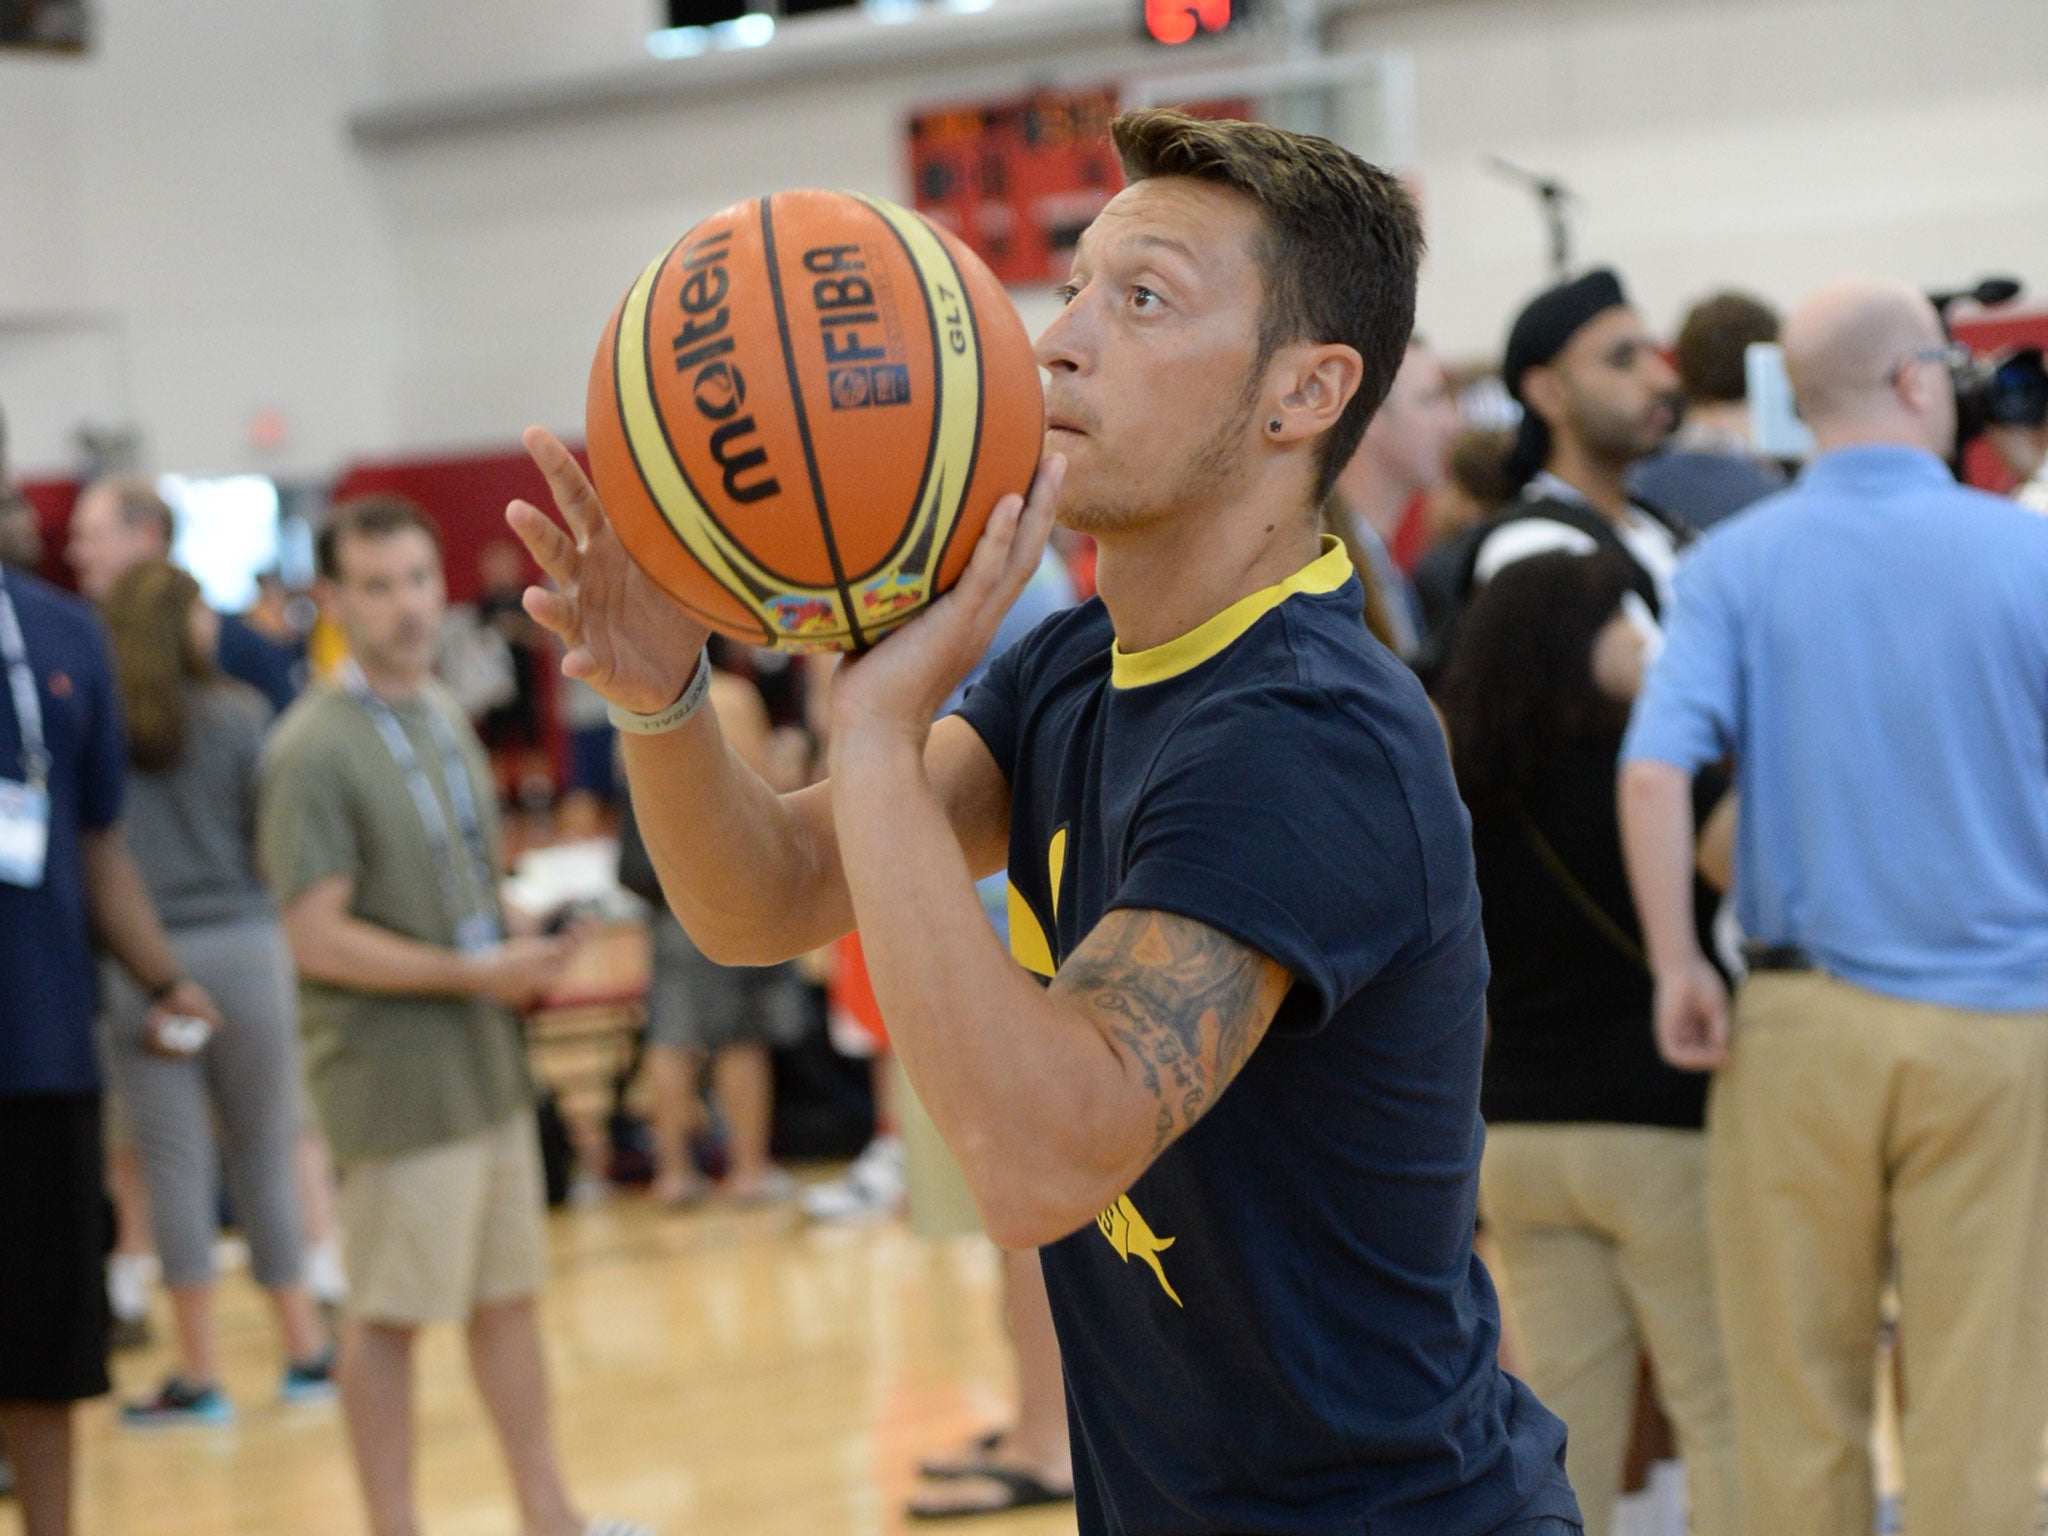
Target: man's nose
{"x": 1063, "y": 345}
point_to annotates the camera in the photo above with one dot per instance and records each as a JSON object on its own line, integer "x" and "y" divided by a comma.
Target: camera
{"x": 2007, "y": 390}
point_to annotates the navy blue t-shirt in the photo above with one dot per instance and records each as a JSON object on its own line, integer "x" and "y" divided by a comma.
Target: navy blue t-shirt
{"x": 249, "y": 656}
{"x": 1281, "y": 1327}
{"x": 48, "y": 991}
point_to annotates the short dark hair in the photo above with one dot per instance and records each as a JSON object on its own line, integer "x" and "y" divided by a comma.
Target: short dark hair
{"x": 1712, "y": 342}
{"x": 369, "y": 517}
{"x": 1479, "y": 463}
{"x": 1342, "y": 246}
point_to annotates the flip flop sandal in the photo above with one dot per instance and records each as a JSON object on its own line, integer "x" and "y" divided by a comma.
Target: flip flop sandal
{"x": 971, "y": 1465}
{"x": 1020, "y": 1491}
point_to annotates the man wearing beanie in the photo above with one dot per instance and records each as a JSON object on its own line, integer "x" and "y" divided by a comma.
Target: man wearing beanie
{"x": 1596, "y": 397}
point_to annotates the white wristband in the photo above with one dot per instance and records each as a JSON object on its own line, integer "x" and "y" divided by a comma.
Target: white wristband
{"x": 667, "y": 719}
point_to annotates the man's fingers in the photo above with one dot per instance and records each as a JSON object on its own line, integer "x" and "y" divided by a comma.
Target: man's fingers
{"x": 1034, "y": 522}
{"x": 552, "y": 611}
{"x": 1011, "y": 544}
{"x": 986, "y": 569}
{"x": 571, "y": 488}
{"x": 1044, "y": 499}
{"x": 545, "y": 541}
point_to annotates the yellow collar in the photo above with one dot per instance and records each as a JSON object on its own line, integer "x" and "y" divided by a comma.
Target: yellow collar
{"x": 1138, "y": 669}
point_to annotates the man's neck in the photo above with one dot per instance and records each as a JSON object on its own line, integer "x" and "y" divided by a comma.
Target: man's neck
{"x": 1604, "y": 485}
{"x": 1724, "y": 421}
{"x": 1163, "y": 579}
{"x": 394, "y": 686}
{"x": 1831, "y": 436}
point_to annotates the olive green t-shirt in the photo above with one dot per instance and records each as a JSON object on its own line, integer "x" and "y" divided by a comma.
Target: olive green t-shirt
{"x": 389, "y": 1073}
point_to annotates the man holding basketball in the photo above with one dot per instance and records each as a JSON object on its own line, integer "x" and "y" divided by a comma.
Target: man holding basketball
{"x": 1238, "y": 1107}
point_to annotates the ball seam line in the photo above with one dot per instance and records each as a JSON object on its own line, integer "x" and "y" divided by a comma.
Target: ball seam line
{"x": 803, "y": 426}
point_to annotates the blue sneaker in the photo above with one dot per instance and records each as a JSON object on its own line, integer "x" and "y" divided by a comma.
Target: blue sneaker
{"x": 180, "y": 1402}
{"x": 309, "y": 1381}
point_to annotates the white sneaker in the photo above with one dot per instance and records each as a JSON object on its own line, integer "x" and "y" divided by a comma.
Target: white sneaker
{"x": 872, "y": 1187}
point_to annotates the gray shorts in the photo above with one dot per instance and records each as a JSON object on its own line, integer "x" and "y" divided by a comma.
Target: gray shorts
{"x": 696, "y": 1004}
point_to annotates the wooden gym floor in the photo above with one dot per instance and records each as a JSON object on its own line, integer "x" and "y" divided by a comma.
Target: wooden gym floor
{"x": 715, "y": 1371}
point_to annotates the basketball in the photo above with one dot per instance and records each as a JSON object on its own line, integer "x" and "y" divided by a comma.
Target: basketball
{"x": 802, "y": 413}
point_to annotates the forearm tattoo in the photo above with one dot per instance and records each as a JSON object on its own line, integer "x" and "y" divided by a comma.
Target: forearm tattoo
{"x": 1187, "y": 1003}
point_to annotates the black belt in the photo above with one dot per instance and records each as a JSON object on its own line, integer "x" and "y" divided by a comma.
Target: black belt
{"x": 1777, "y": 957}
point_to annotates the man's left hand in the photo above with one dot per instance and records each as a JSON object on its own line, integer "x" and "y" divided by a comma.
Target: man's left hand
{"x": 898, "y": 686}
{"x": 186, "y": 1000}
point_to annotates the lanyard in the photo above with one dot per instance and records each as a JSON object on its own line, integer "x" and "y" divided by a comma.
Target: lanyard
{"x": 21, "y": 681}
{"x": 454, "y": 778}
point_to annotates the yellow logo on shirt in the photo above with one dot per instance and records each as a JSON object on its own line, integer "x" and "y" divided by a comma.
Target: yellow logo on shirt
{"x": 1133, "y": 1238}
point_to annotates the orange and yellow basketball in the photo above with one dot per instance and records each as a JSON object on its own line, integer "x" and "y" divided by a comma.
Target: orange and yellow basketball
{"x": 802, "y": 413}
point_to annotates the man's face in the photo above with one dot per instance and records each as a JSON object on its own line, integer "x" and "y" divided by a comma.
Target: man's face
{"x": 102, "y": 547}
{"x": 21, "y": 538}
{"x": 1615, "y": 393}
{"x": 1411, "y": 434}
{"x": 1150, "y": 395}
{"x": 388, "y": 598}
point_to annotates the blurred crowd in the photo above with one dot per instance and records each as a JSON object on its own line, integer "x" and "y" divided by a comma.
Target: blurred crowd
{"x": 259, "y": 961}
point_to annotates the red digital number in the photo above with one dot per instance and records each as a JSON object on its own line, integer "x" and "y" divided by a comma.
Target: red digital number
{"x": 1175, "y": 21}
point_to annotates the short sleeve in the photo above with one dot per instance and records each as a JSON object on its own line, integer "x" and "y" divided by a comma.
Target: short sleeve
{"x": 103, "y": 762}
{"x": 1687, "y": 712}
{"x": 994, "y": 705}
{"x": 1288, "y": 824}
{"x": 304, "y": 830}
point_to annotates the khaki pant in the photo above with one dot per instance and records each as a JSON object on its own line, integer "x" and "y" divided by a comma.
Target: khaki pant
{"x": 1843, "y": 1120}
{"x": 1601, "y": 1232}
{"x": 430, "y": 1236}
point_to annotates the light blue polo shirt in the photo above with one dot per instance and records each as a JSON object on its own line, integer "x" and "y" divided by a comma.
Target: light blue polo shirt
{"x": 1871, "y": 645}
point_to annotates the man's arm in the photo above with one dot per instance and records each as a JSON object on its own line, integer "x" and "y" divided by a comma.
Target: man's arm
{"x": 752, "y": 875}
{"x": 1691, "y": 1008}
{"x": 331, "y": 944}
{"x": 1054, "y": 1099}
{"x": 125, "y": 922}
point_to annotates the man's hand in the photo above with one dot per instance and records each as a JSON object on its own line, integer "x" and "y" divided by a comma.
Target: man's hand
{"x": 519, "y": 972}
{"x": 187, "y": 1000}
{"x": 1692, "y": 1016}
{"x": 625, "y": 636}
{"x": 900, "y": 684}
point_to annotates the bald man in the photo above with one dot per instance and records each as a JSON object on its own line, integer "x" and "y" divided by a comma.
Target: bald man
{"x": 1871, "y": 647}
{"x": 120, "y": 522}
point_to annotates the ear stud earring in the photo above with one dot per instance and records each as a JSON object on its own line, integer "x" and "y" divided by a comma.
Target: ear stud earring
{"x": 1273, "y": 425}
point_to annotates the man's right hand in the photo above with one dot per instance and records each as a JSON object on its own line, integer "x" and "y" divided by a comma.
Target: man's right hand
{"x": 519, "y": 972}
{"x": 625, "y": 636}
{"x": 1692, "y": 1016}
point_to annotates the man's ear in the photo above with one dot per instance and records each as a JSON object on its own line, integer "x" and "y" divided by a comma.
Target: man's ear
{"x": 1543, "y": 392}
{"x": 1917, "y": 384}
{"x": 1309, "y": 387}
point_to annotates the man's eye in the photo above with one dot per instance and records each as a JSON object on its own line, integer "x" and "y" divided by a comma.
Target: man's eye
{"x": 1067, "y": 292}
{"x": 1143, "y": 297}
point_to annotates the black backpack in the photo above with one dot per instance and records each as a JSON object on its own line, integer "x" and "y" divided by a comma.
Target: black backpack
{"x": 1554, "y": 509}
